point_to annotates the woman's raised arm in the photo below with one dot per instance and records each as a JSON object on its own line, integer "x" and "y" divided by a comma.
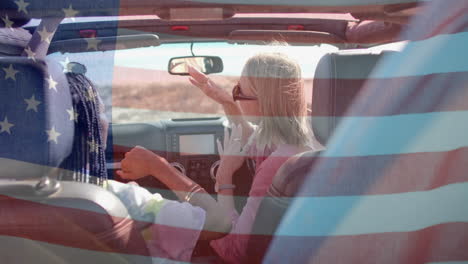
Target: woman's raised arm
{"x": 221, "y": 96}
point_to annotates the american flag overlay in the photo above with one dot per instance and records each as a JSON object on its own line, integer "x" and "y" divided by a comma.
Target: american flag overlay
{"x": 390, "y": 187}
{"x": 33, "y": 131}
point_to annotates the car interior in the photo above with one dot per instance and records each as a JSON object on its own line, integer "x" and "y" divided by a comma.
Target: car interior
{"x": 339, "y": 47}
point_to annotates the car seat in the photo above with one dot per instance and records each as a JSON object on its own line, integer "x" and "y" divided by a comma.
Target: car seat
{"x": 43, "y": 220}
{"x": 391, "y": 185}
{"x": 337, "y": 81}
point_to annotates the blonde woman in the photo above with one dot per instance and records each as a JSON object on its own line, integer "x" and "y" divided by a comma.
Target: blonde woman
{"x": 271, "y": 92}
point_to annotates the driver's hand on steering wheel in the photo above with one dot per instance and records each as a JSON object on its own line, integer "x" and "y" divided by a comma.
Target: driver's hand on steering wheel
{"x": 140, "y": 162}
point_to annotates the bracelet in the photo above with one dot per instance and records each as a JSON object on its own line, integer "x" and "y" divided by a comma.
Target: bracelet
{"x": 194, "y": 189}
{"x": 190, "y": 195}
{"x": 220, "y": 187}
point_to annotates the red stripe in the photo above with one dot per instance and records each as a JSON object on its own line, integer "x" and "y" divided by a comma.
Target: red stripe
{"x": 77, "y": 228}
{"x": 444, "y": 242}
{"x": 373, "y": 175}
{"x": 382, "y": 174}
{"x": 440, "y": 17}
{"x": 453, "y": 24}
{"x": 373, "y": 32}
{"x": 68, "y": 227}
{"x": 429, "y": 93}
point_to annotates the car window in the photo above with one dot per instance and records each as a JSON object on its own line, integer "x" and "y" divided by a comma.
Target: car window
{"x": 136, "y": 86}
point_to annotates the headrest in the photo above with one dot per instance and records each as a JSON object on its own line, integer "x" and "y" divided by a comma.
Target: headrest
{"x": 290, "y": 177}
{"x": 36, "y": 132}
{"x": 13, "y": 14}
{"x": 338, "y": 79}
{"x": 13, "y": 41}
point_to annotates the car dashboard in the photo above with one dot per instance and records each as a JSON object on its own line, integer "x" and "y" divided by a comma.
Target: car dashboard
{"x": 189, "y": 145}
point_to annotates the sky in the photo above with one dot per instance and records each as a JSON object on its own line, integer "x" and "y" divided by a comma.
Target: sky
{"x": 100, "y": 64}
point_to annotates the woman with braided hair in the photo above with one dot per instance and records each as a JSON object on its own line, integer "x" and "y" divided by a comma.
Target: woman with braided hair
{"x": 175, "y": 226}
{"x": 89, "y": 143}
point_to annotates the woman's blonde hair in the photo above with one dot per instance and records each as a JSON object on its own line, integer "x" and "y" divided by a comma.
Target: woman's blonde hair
{"x": 277, "y": 82}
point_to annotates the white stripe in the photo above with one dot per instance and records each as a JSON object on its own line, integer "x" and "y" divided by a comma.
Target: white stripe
{"x": 125, "y": 115}
{"x": 410, "y": 133}
{"x": 439, "y": 54}
{"x": 113, "y": 165}
{"x": 362, "y": 136}
{"x": 25, "y": 175}
{"x": 21, "y": 192}
{"x": 355, "y": 215}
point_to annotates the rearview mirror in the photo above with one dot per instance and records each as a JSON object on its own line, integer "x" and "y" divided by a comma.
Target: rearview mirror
{"x": 205, "y": 64}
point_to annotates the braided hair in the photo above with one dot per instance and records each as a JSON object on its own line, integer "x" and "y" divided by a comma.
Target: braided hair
{"x": 86, "y": 163}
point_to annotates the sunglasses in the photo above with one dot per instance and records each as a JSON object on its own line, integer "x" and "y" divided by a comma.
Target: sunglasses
{"x": 237, "y": 94}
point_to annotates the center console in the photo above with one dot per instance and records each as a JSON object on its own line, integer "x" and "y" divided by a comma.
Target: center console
{"x": 192, "y": 148}
{"x": 189, "y": 145}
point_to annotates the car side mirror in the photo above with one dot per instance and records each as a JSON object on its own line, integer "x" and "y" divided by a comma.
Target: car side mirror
{"x": 205, "y": 64}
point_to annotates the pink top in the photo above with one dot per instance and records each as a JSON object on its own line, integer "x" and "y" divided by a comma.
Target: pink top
{"x": 232, "y": 248}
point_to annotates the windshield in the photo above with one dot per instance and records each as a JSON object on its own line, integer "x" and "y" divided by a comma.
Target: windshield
{"x": 136, "y": 86}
